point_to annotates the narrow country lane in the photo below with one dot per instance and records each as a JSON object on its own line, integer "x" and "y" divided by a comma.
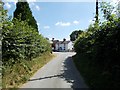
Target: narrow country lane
{"x": 58, "y": 73}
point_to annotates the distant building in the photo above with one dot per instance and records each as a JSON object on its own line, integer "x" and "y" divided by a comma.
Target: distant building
{"x": 62, "y": 46}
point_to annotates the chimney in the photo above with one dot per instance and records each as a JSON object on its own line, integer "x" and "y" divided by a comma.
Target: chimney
{"x": 52, "y": 39}
{"x": 64, "y": 39}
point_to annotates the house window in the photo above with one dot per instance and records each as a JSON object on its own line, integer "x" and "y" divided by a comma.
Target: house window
{"x": 60, "y": 48}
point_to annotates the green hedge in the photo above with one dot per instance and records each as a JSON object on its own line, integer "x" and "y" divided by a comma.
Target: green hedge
{"x": 102, "y": 47}
{"x": 101, "y": 44}
{"x": 20, "y": 41}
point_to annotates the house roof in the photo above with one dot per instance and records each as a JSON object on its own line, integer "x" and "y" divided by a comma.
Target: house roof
{"x": 60, "y": 42}
{"x": 63, "y": 42}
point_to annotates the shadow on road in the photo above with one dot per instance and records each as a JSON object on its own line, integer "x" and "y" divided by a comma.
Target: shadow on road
{"x": 47, "y": 77}
{"x": 69, "y": 73}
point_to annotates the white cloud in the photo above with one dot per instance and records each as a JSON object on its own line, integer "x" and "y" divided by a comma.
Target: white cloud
{"x": 37, "y": 7}
{"x": 57, "y": 23}
{"x": 46, "y": 27}
{"x": 63, "y": 24}
{"x": 76, "y": 22}
{"x": 7, "y": 5}
{"x": 114, "y": 2}
{"x": 32, "y": 3}
{"x": 38, "y": 24}
{"x": 32, "y": 0}
{"x": 67, "y": 23}
{"x": 15, "y": 1}
{"x": 91, "y": 21}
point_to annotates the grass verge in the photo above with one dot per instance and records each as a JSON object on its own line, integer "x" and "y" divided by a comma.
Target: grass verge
{"x": 16, "y": 75}
{"x": 93, "y": 75}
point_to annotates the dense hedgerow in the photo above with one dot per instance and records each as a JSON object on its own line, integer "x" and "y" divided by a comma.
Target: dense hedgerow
{"x": 101, "y": 43}
{"x": 20, "y": 41}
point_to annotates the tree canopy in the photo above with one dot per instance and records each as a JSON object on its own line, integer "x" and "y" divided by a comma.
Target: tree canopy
{"x": 74, "y": 35}
{"x": 101, "y": 44}
{"x": 19, "y": 39}
{"x": 24, "y": 13}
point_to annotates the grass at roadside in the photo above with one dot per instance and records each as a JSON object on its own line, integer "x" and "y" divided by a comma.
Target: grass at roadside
{"x": 94, "y": 77}
{"x": 14, "y": 76}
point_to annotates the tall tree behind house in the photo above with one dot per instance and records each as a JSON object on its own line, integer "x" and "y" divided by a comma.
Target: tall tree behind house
{"x": 23, "y": 13}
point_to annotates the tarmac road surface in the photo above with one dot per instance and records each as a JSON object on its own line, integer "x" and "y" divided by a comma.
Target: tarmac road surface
{"x": 58, "y": 73}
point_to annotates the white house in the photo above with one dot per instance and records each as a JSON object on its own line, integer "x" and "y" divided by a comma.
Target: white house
{"x": 62, "y": 45}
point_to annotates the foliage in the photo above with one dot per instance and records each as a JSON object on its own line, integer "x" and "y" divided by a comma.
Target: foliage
{"x": 24, "y": 51}
{"x": 101, "y": 44}
{"x": 3, "y": 13}
{"x": 107, "y": 9}
{"x": 74, "y": 35}
{"x": 21, "y": 44}
{"x": 18, "y": 74}
{"x": 24, "y": 13}
{"x": 20, "y": 41}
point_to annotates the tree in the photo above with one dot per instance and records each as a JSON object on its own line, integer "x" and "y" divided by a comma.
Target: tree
{"x": 19, "y": 40}
{"x": 74, "y": 35}
{"x": 107, "y": 10}
{"x": 100, "y": 46}
{"x": 24, "y": 13}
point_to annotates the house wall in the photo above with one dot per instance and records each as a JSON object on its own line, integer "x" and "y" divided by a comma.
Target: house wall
{"x": 61, "y": 46}
{"x": 70, "y": 46}
{"x": 64, "y": 46}
{"x": 56, "y": 46}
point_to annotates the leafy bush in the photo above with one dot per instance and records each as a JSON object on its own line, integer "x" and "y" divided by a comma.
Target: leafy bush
{"x": 101, "y": 44}
{"x": 20, "y": 44}
{"x": 20, "y": 41}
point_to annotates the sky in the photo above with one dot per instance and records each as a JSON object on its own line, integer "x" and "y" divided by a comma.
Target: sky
{"x": 59, "y": 19}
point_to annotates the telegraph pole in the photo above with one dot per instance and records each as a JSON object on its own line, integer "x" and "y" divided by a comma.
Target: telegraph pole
{"x": 96, "y": 11}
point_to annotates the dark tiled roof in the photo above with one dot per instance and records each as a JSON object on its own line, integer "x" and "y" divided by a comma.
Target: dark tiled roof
{"x": 60, "y": 42}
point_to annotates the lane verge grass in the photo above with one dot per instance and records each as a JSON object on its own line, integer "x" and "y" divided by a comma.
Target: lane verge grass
{"x": 16, "y": 75}
{"x": 92, "y": 74}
